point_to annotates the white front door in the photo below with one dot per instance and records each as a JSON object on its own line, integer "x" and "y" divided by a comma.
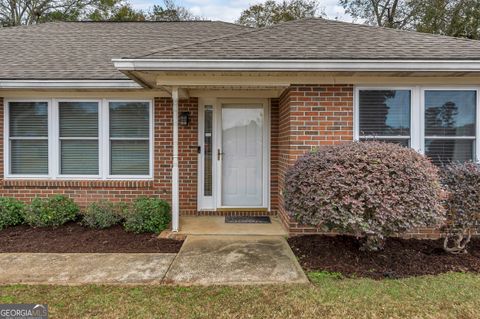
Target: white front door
{"x": 242, "y": 155}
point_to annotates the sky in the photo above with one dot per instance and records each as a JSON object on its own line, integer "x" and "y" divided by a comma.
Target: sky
{"x": 229, "y": 10}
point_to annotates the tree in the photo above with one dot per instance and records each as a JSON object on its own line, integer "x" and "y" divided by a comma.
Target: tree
{"x": 271, "y": 12}
{"x": 397, "y": 14}
{"x": 115, "y": 10}
{"x": 458, "y": 18}
{"x": 19, "y": 12}
{"x": 170, "y": 11}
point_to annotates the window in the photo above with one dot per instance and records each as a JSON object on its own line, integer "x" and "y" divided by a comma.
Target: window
{"x": 129, "y": 138}
{"x": 450, "y": 125}
{"x": 28, "y": 138}
{"x": 207, "y": 145}
{"x": 79, "y": 139}
{"x": 78, "y": 122}
{"x": 440, "y": 123}
{"x": 385, "y": 115}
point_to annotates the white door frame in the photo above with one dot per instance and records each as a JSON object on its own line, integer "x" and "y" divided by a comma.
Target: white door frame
{"x": 214, "y": 202}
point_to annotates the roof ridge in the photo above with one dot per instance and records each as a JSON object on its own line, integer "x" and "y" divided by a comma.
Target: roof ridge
{"x": 217, "y": 38}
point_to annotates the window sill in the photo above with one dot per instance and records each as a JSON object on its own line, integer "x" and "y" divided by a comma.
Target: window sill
{"x": 33, "y": 183}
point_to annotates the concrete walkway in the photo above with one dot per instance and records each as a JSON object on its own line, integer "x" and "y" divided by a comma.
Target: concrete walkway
{"x": 84, "y": 268}
{"x": 219, "y": 260}
{"x": 203, "y": 260}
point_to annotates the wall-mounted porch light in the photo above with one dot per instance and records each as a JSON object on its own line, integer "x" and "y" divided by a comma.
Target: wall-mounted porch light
{"x": 184, "y": 118}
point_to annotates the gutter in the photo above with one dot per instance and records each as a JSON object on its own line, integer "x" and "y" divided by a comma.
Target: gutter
{"x": 69, "y": 84}
{"x": 296, "y": 65}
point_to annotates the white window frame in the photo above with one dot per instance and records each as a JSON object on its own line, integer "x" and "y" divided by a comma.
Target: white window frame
{"x": 356, "y": 133}
{"x": 54, "y": 141}
{"x": 417, "y": 113}
{"x": 6, "y": 139}
{"x": 106, "y": 141}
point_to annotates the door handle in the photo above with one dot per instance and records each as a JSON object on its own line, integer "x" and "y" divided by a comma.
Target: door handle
{"x": 219, "y": 154}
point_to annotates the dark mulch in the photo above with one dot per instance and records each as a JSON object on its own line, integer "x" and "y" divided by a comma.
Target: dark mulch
{"x": 400, "y": 258}
{"x": 74, "y": 238}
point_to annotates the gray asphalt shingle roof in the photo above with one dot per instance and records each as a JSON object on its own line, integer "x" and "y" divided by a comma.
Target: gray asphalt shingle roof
{"x": 325, "y": 39}
{"x": 83, "y": 50}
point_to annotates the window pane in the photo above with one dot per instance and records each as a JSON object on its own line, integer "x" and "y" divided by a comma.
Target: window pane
{"x": 450, "y": 113}
{"x": 129, "y": 157}
{"x": 129, "y": 119}
{"x": 29, "y": 157}
{"x": 207, "y": 186}
{"x": 79, "y": 157}
{"x": 28, "y": 119}
{"x": 445, "y": 151}
{"x": 384, "y": 112}
{"x": 78, "y": 119}
{"x": 403, "y": 142}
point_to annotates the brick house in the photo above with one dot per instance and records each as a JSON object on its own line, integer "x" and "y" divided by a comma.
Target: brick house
{"x": 209, "y": 115}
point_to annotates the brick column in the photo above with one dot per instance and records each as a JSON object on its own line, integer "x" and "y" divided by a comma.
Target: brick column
{"x": 311, "y": 116}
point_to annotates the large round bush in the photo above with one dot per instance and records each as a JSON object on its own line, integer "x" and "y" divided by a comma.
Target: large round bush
{"x": 369, "y": 189}
{"x": 462, "y": 183}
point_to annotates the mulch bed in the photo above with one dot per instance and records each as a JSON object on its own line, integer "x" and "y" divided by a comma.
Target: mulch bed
{"x": 400, "y": 258}
{"x": 74, "y": 238}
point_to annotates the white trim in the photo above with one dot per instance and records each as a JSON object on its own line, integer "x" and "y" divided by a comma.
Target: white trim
{"x": 175, "y": 170}
{"x": 6, "y": 138}
{"x": 417, "y": 122}
{"x": 54, "y": 145}
{"x": 205, "y": 202}
{"x": 356, "y": 112}
{"x": 296, "y": 65}
{"x": 69, "y": 84}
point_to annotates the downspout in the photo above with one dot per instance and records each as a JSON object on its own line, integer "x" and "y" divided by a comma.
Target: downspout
{"x": 175, "y": 173}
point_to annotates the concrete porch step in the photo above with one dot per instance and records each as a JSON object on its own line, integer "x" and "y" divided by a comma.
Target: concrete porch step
{"x": 215, "y": 225}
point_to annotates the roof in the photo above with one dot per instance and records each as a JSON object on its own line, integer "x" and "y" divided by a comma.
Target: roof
{"x": 84, "y": 50}
{"x": 317, "y": 38}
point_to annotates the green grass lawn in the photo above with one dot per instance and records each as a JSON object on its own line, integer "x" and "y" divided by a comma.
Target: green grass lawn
{"x": 450, "y": 295}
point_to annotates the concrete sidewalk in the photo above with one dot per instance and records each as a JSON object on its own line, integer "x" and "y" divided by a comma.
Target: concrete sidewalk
{"x": 203, "y": 260}
{"x": 74, "y": 269}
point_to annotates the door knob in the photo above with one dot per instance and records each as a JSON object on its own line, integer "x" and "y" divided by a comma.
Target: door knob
{"x": 219, "y": 154}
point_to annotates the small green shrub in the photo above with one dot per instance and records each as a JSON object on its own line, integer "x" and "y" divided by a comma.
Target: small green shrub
{"x": 51, "y": 212}
{"x": 148, "y": 215}
{"x": 103, "y": 214}
{"x": 11, "y": 212}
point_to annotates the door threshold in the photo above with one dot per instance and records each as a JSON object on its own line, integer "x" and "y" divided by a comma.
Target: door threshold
{"x": 241, "y": 209}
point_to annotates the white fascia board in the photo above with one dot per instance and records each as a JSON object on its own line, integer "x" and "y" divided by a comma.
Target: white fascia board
{"x": 69, "y": 84}
{"x": 296, "y": 65}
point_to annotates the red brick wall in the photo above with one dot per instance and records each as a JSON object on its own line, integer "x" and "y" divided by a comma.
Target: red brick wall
{"x": 84, "y": 192}
{"x": 311, "y": 116}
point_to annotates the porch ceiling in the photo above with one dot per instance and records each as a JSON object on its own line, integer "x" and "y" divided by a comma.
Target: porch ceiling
{"x": 278, "y": 81}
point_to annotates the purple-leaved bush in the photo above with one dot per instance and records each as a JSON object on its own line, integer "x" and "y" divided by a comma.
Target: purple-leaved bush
{"x": 462, "y": 183}
{"x": 368, "y": 189}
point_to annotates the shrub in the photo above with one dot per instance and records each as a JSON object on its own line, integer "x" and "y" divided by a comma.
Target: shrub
{"x": 51, "y": 212}
{"x": 11, "y": 212}
{"x": 103, "y": 214}
{"x": 150, "y": 215}
{"x": 462, "y": 183}
{"x": 369, "y": 189}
